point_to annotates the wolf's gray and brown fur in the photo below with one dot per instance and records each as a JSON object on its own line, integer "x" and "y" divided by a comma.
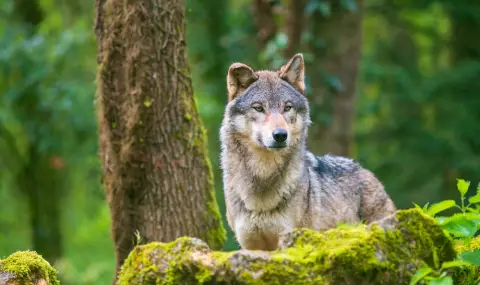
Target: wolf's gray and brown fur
{"x": 272, "y": 183}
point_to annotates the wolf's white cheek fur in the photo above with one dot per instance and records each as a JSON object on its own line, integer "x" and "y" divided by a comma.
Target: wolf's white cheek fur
{"x": 240, "y": 124}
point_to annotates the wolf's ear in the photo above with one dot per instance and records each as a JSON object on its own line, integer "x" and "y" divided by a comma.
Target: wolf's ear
{"x": 239, "y": 77}
{"x": 294, "y": 72}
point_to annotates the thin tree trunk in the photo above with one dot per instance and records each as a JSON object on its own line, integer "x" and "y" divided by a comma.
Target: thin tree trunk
{"x": 42, "y": 181}
{"x": 263, "y": 17}
{"x": 295, "y": 26}
{"x": 152, "y": 142}
{"x": 38, "y": 179}
{"x": 334, "y": 74}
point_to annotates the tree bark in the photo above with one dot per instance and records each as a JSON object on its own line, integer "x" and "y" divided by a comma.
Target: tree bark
{"x": 152, "y": 143}
{"x": 334, "y": 74}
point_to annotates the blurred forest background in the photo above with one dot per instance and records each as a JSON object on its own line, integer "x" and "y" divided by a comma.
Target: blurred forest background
{"x": 413, "y": 117}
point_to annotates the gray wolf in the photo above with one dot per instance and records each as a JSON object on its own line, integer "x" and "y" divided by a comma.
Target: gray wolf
{"x": 272, "y": 183}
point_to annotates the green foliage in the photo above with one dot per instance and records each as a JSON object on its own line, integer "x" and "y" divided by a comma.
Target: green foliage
{"x": 416, "y": 109}
{"x": 462, "y": 227}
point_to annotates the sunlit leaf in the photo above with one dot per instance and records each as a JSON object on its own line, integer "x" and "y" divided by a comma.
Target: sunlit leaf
{"x": 474, "y": 199}
{"x": 420, "y": 274}
{"x": 455, "y": 263}
{"x": 446, "y": 280}
{"x": 439, "y": 207}
{"x": 460, "y": 227}
{"x": 462, "y": 186}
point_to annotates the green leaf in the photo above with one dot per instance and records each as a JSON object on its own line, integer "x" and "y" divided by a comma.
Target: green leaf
{"x": 447, "y": 280}
{"x": 425, "y": 207}
{"x": 422, "y": 272}
{"x": 455, "y": 263}
{"x": 476, "y": 198}
{"x": 472, "y": 257}
{"x": 460, "y": 226}
{"x": 442, "y": 219}
{"x": 462, "y": 186}
{"x": 439, "y": 207}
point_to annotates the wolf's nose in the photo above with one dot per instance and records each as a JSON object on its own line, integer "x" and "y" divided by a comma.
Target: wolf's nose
{"x": 280, "y": 135}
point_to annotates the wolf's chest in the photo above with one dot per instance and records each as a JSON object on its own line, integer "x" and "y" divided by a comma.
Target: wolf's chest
{"x": 270, "y": 222}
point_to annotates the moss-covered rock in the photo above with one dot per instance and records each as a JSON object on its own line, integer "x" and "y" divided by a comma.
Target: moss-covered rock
{"x": 27, "y": 267}
{"x": 385, "y": 252}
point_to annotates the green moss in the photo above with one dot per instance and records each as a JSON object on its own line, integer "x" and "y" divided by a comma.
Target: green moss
{"x": 28, "y": 265}
{"x": 388, "y": 252}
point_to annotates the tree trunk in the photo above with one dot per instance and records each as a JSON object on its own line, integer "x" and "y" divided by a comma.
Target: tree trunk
{"x": 263, "y": 17}
{"x": 334, "y": 75}
{"x": 294, "y": 26}
{"x": 39, "y": 179}
{"x": 152, "y": 142}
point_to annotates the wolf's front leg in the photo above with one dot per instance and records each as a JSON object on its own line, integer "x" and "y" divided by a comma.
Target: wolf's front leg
{"x": 258, "y": 240}
{"x": 256, "y": 236}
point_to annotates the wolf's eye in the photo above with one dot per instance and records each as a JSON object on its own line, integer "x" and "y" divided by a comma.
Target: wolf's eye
{"x": 258, "y": 108}
{"x": 287, "y": 108}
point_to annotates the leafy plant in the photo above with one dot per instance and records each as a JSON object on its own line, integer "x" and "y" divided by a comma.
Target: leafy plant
{"x": 461, "y": 226}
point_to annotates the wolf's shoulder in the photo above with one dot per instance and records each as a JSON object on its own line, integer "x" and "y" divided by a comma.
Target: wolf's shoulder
{"x": 333, "y": 165}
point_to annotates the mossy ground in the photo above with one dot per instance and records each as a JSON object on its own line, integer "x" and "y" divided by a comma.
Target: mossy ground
{"x": 388, "y": 252}
{"x": 27, "y": 266}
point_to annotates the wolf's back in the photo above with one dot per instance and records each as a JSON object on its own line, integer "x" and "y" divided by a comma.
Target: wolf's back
{"x": 341, "y": 187}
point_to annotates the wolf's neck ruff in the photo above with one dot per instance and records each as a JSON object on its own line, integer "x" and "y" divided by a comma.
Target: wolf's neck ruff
{"x": 267, "y": 178}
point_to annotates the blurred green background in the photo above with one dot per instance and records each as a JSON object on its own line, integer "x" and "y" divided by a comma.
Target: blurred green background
{"x": 416, "y": 121}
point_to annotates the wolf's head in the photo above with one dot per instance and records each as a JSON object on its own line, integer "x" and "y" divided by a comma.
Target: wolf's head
{"x": 267, "y": 109}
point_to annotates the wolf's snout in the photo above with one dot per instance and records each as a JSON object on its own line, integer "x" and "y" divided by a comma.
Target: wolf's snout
{"x": 280, "y": 135}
